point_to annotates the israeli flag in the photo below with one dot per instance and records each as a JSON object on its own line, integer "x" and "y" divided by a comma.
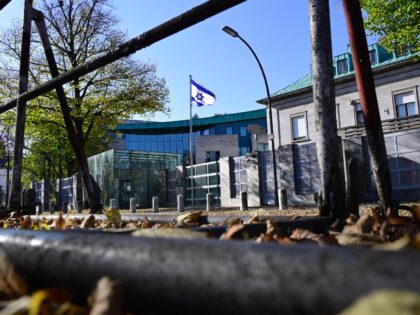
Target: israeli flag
{"x": 201, "y": 95}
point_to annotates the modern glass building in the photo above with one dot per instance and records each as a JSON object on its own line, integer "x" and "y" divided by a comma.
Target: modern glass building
{"x": 173, "y": 136}
{"x": 123, "y": 174}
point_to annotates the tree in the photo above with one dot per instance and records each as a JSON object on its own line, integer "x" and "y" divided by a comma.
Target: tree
{"x": 80, "y": 30}
{"x": 395, "y": 21}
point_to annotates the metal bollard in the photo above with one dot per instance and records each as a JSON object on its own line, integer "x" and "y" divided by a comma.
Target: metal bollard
{"x": 79, "y": 206}
{"x": 244, "y": 201}
{"x": 283, "y": 199}
{"x": 133, "y": 205}
{"x": 180, "y": 202}
{"x": 113, "y": 204}
{"x": 155, "y": 204}
{"x": 209, "y": 202}
{"x": 38, "y": 209}
{"x": 64, "y": 207}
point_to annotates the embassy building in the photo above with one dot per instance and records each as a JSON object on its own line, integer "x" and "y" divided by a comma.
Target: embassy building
{"x": 212, "y": 137}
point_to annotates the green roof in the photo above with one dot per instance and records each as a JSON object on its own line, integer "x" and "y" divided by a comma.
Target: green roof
{"x": 306, "y": 81}
{"x": 199, "y": 122}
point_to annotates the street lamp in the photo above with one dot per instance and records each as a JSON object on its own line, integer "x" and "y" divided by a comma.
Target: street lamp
{"x": 234, "y": 33}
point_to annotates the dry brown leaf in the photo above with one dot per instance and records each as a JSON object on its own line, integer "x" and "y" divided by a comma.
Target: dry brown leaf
{"x": 107, "y": 298}
{"x": 191, "y": 217}
{"x": 60, "y": 223}
{"x": 358, "y": 239}
{"x": 305, "y": 235}
{"x": 352, "y": 219}
{"x": 88, "y": 222}
{"x": 26, "y": 223}
{"x": 12, "y": 285}
{"x": 254, "y": 219}
{"x": 162, "y": 226}
{"x": 232, "y": 231}
{"x": 169, "y": 233}
{"x": 272, "y": 230}
{"x": 362, "y": 226}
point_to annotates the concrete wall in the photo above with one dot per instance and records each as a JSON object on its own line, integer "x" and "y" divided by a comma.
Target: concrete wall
{"x": 253, "y": 184}
{"x": 227, "y": 145}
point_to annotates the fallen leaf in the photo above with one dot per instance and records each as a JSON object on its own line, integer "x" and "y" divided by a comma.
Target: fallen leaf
{"x": 107, "y": 298}
{"x": 113, "y": 217}
{"x": 191, "y": 217}
{"x": 405, "y": 242}
{"x": 232, "y": 231}
{"x": 305, "y": 235}
{"x": 88, "y": 222}
{"x": 363, "y": 226}
{"x": 169, "y": 233}
{"x": 60, "y": 223}
{"x": 415, "y": 212}
{"x": 386, "y": 302}
{"x": 254, "y": 219}
{"x": 12, "y": 285}
{"x": 272, "y": 230}
{"x": 26, "y": 223}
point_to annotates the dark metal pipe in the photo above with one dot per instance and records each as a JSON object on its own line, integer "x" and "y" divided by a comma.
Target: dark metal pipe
{"x": 370, "y": 108}
{"x": 211, "y": 277}
{"x": 3, "y": 3}
{"x": 171, "y": 27}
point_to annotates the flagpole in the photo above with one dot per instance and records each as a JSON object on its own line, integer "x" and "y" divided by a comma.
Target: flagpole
{"x": 191, "y": 148}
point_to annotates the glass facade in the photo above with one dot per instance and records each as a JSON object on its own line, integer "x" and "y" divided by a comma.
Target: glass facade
{"x": 160, "y": 140}
{"x": 123, "y": 174}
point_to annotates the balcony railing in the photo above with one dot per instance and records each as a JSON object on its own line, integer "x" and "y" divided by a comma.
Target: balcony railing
{"x": 388, "y": 126}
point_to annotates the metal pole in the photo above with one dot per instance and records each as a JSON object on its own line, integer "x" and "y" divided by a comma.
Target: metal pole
{"x": 3, "y": 3}
{"x": 191, "y": 149}
{"x": 171, "y": 27}
{"x": 88, "y": 181}
{"x": 7, "y": 178}
{"x": 370, "y": 108}
{"x": 16, "y": 185}
{"x": 270, "y": 116}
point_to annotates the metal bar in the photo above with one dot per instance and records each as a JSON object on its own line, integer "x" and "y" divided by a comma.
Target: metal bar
{"x": 210, "y": 277}
{"x": 88, "y": 181}
{"x": 327, "y": 144}
{"x": 370, "y": 108}
{"x": 171, "y": 27}
{"x": 3, "y": 3}
{"x": 16, "y": 183}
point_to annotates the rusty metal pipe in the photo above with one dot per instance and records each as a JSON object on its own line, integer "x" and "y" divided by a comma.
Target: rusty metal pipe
{"x": 211, "y": 277}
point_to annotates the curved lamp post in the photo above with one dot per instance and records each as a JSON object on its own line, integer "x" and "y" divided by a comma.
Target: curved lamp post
{"x": 234, "y": 33}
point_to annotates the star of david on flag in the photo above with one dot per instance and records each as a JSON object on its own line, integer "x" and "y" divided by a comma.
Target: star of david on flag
{"x": 200, "y": 95}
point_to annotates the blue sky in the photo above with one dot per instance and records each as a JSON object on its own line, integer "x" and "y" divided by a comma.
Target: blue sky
{"x": 278, "y": 31}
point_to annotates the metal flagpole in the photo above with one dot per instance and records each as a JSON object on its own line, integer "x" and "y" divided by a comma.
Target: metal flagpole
{"x": 191, "y": 148}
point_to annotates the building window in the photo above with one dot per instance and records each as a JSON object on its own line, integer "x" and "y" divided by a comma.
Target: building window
{"x": 405, "y": 104}
{"x": 229, "y": 130}
{"x": 360, "y": 119}
{"x": 243, "y": 150}
{"x": 242, "y": 131}
{"x": 212, "y": 156}
{"x": 342, "y": 66}
{"x": 372, "y": 56}
{"x": 299, "y": 129}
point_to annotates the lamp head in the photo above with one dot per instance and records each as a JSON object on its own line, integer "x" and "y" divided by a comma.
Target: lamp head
{"x": 60, "y": 3}
{"x": 230, "y": 31}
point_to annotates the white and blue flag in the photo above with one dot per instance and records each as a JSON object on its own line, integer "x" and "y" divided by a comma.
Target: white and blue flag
{"x": 200, "y": 95}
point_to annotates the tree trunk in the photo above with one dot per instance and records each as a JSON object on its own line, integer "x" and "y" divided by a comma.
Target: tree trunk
{"x": 370, "y": 108}
{"x": 88, "y": 181}
{"x": 16, "y": 184}
{"x": 332, "y": 201}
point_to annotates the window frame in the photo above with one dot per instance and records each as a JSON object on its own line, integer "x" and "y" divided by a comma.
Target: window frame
{"x": 416, "y": 102}
{"x": 346, "y": 62}
{"x": 356, "y": 120}
{"x": 303, "y": 138}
